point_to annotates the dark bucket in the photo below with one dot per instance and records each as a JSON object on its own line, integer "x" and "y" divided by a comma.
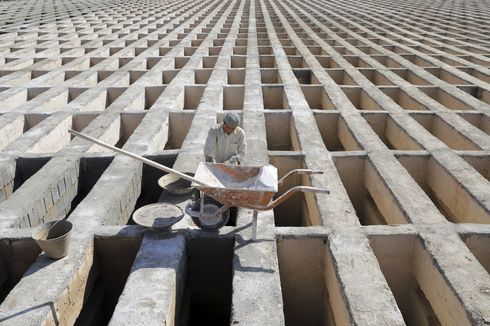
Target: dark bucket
{"x": 56, "y": 241}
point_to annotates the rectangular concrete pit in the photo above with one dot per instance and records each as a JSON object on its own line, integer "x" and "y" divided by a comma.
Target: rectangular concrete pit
{"x": 233, "y": 97}
{"x": 360, "y": 98}
{"x": 91, "y": 168}
{"x": 480, "y": 163}
{"x": 113, "y": 259}
{"x": 207, "y": 288}
{"x": 274, "y": 98}
{"x": 279, "y": 133}
{"x": 317, "y": 98}
{"x": 305, "y": 76}
{"x": 129, "y": 123}
{"x": 401, "y": 98}
{"x": 371, "y": 198}
{"x": 152, "y": 94}
{"x": 150, "y": 190}
{"x": 270, "y": 76}
{"x": 26, "y": 168}
{"x": 192, "y": 97}
{"x": 236, "y": 76}
{"x": 444, "y": 131}
{"x": 390, "y": 132}
{"x": 375, "y": 77}
{"x": 178, "y": 126}
{"x": 335, "y": 133}
{"x": 449, "y": 101}
{"x": 341, "y": 77}
{"x": 479, "y": 120}
{"x": 442, "y": 188}
{"x": 301, "y": 208}
{"x": 16, "y": 256}
{"x": 479, "y": 246}
{"x": 303, "y": 282}
{"x": 201, "y": 76}
{"x": 400, "y": 262}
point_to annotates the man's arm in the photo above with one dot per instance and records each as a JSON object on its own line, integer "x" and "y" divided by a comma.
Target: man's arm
{"x": 242, "y": 148}
{"x": 209, "y": 145}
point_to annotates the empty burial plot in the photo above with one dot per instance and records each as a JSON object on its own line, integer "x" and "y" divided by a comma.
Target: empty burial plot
{"x": 477, "y": 92}
{"x": 112, "y": 94}
{"x": 305, "y": 76}
{"x": 360, "y": 98}
{"x": 479, "y": 120}
{"x": 391, "y": 133}
{"x": 274, "y": 98}
{"x": 446, "y": 192}
{"x": 446, "y": 76}
{"x": 179, "y": 124}
{"x": 444, "y": 131}
{"x": 91, "y": 169}
{"x": 233, "y": 97}
{"x": 207, "y": 285}
{"x": 301, "y": 208}
{"x": 401, "y": 98}
{"x": 270, "y": 76}
{"x": 129, "y": 123}
{"x": 481, "y": 163}
{"x": 305, "y": 282}
{"x": 372, "y": 199}
{"x": 335, "y": 133}
{"x": 12, "y": 127}
{"x": 317, "y": 98}
{"x": 192, "y": 97}
{"x": 420, "y": 291}
{"x": 25, "y": 168}
{"x": 152, "y": 94}
{"x": 375, "y": 77}
{"x": 236, "y": 76}
{"x": 201, "y": 76}
{"x": 341, "y": 77}
{"x": 150, "y": 190}
{"x": 112, "y": 263}
{"x": 446, "y": 99}
{"x": 409, "y": 76}
{"x": 280, "y": 132}
{"x": 479, "y": 245}
{"x": 16, "y": 256}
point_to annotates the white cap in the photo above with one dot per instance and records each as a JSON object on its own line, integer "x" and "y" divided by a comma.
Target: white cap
{"x": 232, "y": 120}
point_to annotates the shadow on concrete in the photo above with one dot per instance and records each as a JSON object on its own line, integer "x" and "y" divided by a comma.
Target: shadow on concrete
{"x": 50, "y": 304}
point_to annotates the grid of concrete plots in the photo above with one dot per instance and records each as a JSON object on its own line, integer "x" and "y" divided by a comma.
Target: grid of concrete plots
{"x": 390, "y": 99}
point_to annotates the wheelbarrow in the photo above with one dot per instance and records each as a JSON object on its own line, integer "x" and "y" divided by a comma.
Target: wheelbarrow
{"x": 230, "y": 185}
{"x": 244, "y": 186}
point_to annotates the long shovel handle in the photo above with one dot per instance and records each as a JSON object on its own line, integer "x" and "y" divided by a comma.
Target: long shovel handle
{"x": 139, "y": 158}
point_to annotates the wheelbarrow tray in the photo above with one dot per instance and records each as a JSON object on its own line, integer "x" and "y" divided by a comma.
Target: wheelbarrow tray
{"x": 246, "y": 186}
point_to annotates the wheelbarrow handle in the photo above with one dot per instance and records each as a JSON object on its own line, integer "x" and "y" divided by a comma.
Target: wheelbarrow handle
{"x": 291, "y": 191}
{"x": 139, "y": 158}
{"x": 298, "y": 171}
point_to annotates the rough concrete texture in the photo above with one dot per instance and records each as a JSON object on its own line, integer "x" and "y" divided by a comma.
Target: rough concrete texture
{"x": 390, "y": 99}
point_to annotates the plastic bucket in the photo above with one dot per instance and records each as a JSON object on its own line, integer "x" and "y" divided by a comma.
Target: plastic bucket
{"x": 56, "y": 241}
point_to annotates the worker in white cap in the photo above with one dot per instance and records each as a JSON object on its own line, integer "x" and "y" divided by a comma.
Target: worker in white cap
{"x": 225, "y": 144}
{"x": 226, "y": 141}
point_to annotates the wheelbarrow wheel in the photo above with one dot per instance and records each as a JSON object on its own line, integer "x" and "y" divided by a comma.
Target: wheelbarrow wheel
{"x": 209, "y": 221}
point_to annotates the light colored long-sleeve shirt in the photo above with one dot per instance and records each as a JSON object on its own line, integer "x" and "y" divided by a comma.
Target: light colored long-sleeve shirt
{"x": 221, "y": 146}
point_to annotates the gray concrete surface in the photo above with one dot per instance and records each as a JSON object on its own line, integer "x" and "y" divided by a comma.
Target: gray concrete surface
{"x": 390, "y": 99}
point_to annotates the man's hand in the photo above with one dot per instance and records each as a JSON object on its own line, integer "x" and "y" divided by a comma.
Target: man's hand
{"x": 232, "y": 160}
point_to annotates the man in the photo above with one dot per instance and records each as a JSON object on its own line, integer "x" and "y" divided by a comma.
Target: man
{"x": 226, "y": 141}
